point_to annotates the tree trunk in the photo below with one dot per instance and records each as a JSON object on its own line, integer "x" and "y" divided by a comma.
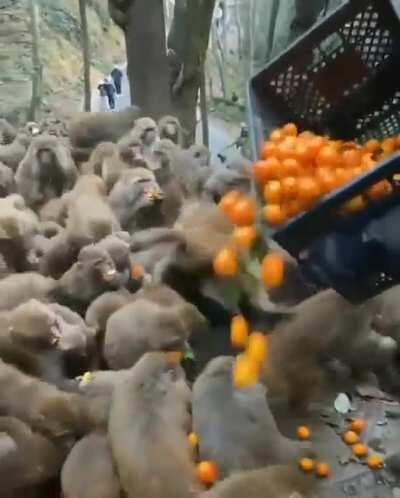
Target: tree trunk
{"x": 148, "y": 67}
{"x": 203, "y": 107}
{"x": 239, "y": 30}
{"x": 86, "y": 54}
{"x": 217, "y": 50}
{"x": 36, "y": 63}
{"x": 271, "y": 29}
{"x": 307, "y": 12}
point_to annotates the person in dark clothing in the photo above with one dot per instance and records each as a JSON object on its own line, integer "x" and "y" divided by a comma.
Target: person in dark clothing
{"x": 116, "y": 75}
{"x": 110, "y": 91}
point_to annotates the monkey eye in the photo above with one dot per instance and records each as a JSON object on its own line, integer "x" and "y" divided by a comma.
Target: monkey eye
{"x": 149, "y": 129}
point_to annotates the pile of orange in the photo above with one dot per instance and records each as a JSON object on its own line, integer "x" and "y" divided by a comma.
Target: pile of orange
{"x": 359, "y": 449}
{"x": 296, "y": 170}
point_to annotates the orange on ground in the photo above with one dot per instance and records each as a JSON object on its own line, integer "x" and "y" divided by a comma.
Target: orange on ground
{"x": 303, "y": 433}
{"x": 375, "y": 462}
{"x": 322, "y": 470}
{"x": 245, "y": 237}
{"x": 360, "y": 450}
{"x": 290, "y": 129}
{"x": 289, "y": 187}
{"x": 137, "y": 271}
{"x": 245, "y": 371}
{"x": 268, "y": 149}
{"x": 307, "y": 464}
{"x": 207, "y": 472}
{"x": 228, "y": 201}
{"x": 257, "y": 347}
{"x": 273, "y": 192}
{"x": 244, "y": 212}
{"x": 226, "y": 263}
{"x": 358, "y": 425}
{"x": 272, "y": 270}
{"x": 355, "y": 205}
{"x": 379, "y": 190}
{"x": 239, "y": 331}
{"x": 350, "y": 437}
{"x": 274, "y": 214}
{"x": 193, "y": 440}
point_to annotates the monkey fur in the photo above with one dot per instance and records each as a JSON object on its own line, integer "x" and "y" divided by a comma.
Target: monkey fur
{"x": 21, "y": 287}
{"x": 169, "y": 127}
{"x": 12, "y": 154}
{"x": 7, "y": 132}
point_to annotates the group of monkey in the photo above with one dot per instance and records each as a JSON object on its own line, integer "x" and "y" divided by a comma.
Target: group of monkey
{"x": 81, "y": 207}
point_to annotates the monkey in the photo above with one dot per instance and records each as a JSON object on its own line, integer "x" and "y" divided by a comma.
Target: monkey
{"x": 49, "y": 229}
{"x": 131, "y": 151}
{"x": 26, "y": 457}
{"x": 32, "y": 128}
{"x": 146, "y": 131}
{"x": 12, "y": 154}
{"x": 236, "y": 428}
{"x": 88, "y": 471}
{"x": 136, "y": 200}
{"x": 240, "y": 164}
{"x": 7, "y": 132}
{"x": 222, "y": 181}
{"x": 55, "y": 210}
{"x": 119, "y": 250}
{"x": 92, "y": 274}
{"x": 105, "y": 162}
{"x": 156, "y": 319}
{"x": 169, "y": 127}
{"x": 150, "y": 396}
{"x": 297, "y": 345}
{"x": 276, "y": 481}
{"x": 7, "y": 183}
{"x": 46, "y": 172}
{"x": 103, "y": 307}
{"x": 101, "y": 383}
{"x": 201, "y": 154}
{"x": 90, "y": 129}
{"x": 18, "y": 288}
{"x": 45, "y": 408}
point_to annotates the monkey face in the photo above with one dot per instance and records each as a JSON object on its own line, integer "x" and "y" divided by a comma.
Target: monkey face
{"x": 46, "y": 158}
{"x": 145, "y": 193}
{"x": 105, "y": 269}
{"x": 149, "y": 136}
{"x": 132, "y": 154}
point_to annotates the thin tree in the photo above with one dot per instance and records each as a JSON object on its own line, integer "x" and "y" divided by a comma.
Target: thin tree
{"x": 203, "y": 107}
{"x": 37, "y": 73}
{"x": 273, "y": 16}
{"x": 86, "y": 54}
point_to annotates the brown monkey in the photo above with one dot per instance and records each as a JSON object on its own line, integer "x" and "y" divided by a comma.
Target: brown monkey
{"x": 276, "y": 481}
{"x": 103, "y": 307}
{"x": 105, "y": 162}
{"x": 136, "y": 200}
{"x": 146, "y": 130}
{"x": 88, "y": 471}
{"x": 21, "y": 287}
{"x": 131, "y": 151}
{"x": 44, "y": 407}
{"x": 46, "y": 172}
{"x": 30, "y": 458}
{"x": 201, "y": 154}
{"x": 101, "y": 383}
{"x": 236, "y": 428}
{"x": 7, "y": 183}
{"x": 7, "y": 132}
{"x": 149, "y": 395}
{"x": 169, "y": 127}
{"x": 157, "y": 319}
{"x": 12, "y": 154}
{"x": 119, "y": 250}
{"x": 224, "y": 180}
{"x": 55, "y": 210}
{"x": 90, "y": 129}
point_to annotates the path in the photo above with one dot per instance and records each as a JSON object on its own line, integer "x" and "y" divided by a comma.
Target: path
{"x": 222, "y": 134}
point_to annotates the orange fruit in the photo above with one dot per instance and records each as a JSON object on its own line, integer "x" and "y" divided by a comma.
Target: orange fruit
{"x": 303, "y": 433}
{"x": 322, "y": 470}
{"x": 350, "y": 437}
{"x": 272, "y": 270}
{"x": 307, "y": 464}
{"x": 193, "y": 440}
{"x": 315, "y": 145}
{"x": 343, "y": 176}
{"x": 228, "y": 201}
{"x": 304, "y": 153}
{"x": 245, "y": 371}
{"x": 266, "y": 170}
{"x": 328, "y": 156}
{"x": 367, "y": 162}
{"x": 357, "y": 172}
{"x": 352, "y": 158}
{"x": 372, "y": 146}
{"x": 359, "y": 450}
{"x": 276, "y": 136}
{"x": 355, "y": 205}
{"x": 245, "y": 237}
{"x": 257, "y": 347}
{"x": 274, "y": 215}
{"x": 244, "y": 212}
{"x": 292, "y": 208}
{"x": 273, "y": 192}
{"x": 389, "y": 145}
{"x": 358, "y": 425}
{"x": 207, "y": 472}
{"x": 306, "y": 135}
{"x": 226, "y": 263}
{"x": 308, "y": 190}
{"x": 379, "y": 190}
{"x": 289, "y": 187}
{"x": 290, "y": 167}
{"x": 239, "y": 331}
{"x": 137, "y": 271}
{"x": 326, "y": 179}
{"x": 286, "y": 149}
{"x": 290, "y": 129}
{"x": 268, "y": 149}
{"x": 174, "y": 356}
{"x": 375, "y": 462}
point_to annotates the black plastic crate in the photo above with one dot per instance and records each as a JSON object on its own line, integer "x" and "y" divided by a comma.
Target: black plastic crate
{"x": 342, "y": 79}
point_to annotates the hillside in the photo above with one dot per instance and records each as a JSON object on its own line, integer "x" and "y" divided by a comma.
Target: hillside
{"x": 60, "y": 51}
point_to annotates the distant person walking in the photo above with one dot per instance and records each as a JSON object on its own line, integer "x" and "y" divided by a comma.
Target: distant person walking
{"x": 110, "y": 91}
{"x": 117, "y": 75}
{"x": 104, "y": 105}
